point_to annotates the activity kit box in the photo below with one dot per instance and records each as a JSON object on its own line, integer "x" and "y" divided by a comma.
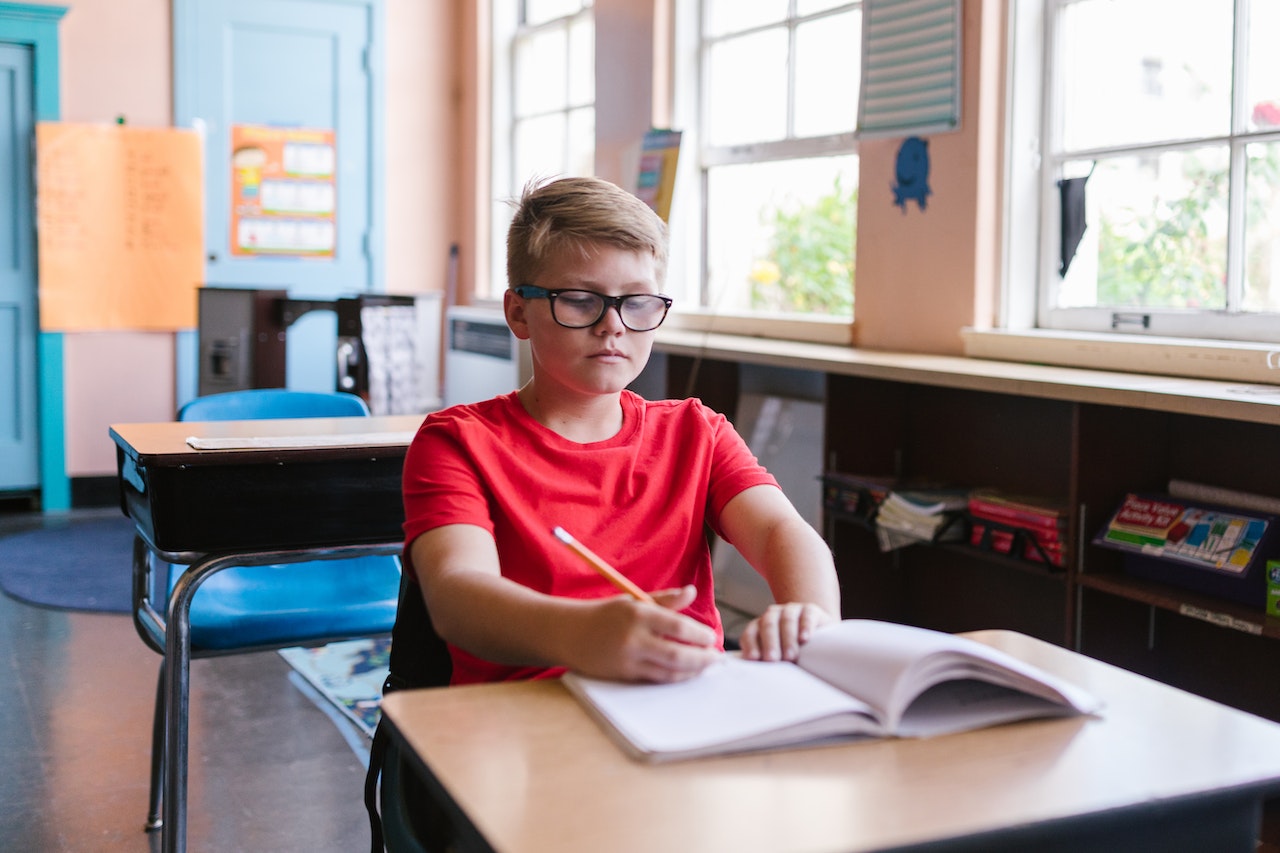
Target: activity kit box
{"x": 1216, "y": 550}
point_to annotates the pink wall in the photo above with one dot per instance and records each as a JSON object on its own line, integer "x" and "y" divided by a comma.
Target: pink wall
{"x": 923, "y": 275}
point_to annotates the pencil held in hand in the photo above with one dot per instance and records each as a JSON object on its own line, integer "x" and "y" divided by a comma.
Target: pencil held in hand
{"x": 614, "y": 576}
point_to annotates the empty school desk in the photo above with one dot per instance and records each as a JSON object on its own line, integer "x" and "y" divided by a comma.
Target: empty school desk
{"x": 521, "y": 768}
{"x": 215, "y": 495}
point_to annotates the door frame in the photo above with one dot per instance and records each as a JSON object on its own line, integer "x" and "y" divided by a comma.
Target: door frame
{"x": 36, "y": 27}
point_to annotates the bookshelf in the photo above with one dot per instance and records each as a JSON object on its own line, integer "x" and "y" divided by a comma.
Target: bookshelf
{"x": 1085, "y": 436}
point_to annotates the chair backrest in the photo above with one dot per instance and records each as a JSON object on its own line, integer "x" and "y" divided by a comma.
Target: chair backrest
{"x": 263, "y": 403}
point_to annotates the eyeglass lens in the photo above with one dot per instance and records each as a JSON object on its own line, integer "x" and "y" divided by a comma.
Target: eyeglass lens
{"x": 581, "y": 308}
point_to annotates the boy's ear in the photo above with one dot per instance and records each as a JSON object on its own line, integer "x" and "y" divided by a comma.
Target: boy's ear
{"x": 513, "y": 307}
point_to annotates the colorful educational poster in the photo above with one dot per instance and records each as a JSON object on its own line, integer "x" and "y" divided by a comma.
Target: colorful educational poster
{"x": 120, "y": 226}
{"x": 659, "y": 155}
{"x": 284, "y": 197}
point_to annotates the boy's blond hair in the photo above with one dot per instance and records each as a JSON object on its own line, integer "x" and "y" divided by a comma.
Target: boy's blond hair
{"x": 577, "y": 214}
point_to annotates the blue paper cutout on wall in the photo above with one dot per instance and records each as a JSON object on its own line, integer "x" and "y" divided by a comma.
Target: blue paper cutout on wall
{"x": 912, "y": 172}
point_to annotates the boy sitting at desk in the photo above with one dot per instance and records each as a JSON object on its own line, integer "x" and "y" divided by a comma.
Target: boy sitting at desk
{"x": 637, "y": 482}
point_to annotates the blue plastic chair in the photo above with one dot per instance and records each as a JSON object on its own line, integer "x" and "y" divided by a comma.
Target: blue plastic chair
{"x": 251, "y": 608}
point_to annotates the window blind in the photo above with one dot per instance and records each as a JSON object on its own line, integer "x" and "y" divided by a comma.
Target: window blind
{"x": 910, "y": 67}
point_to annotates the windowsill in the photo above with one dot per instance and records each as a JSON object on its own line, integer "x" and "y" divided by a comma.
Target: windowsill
{"x": 811, "y": 329}
{"x": 1226, "y": 361}
{"x": 1015, "y": 371}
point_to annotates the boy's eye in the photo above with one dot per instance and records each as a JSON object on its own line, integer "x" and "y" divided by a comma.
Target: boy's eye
{"x": 578, "y": 300}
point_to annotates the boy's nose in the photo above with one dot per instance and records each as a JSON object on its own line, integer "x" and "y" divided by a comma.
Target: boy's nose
{"x": 611, "y": 321}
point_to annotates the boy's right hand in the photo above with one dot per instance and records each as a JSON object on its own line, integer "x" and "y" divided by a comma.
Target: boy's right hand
{"x": 628, "y": 640}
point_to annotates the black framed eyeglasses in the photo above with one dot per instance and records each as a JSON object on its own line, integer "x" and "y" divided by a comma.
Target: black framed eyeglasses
{"x": 578, "y": 309}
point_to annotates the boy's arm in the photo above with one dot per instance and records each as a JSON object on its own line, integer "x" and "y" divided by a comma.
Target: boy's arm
{"x": 474, "y": 607}
{"x": 788, "y": 553}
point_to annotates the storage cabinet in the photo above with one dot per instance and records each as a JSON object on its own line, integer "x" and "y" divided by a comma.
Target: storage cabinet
{"x": 951, "y": 437}
{"x": 1084, "y": 437}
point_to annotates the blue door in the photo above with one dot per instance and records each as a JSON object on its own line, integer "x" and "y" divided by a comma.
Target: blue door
{"x": 288, "y": 64}
{"x": 19, "y": 440}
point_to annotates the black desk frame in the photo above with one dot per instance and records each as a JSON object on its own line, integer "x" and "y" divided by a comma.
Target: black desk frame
{"x": 223, "y": 509}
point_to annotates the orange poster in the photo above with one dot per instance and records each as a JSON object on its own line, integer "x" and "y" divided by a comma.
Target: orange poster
{"x": 283, "y": 191}
{"x": 120, "y": 221}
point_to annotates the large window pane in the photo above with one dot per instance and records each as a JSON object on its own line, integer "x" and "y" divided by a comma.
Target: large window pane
{"x": 1263, "y": 87}
{"x": 1262, "y": 233}
{"x": 539, "y": 148}
{"x": 827, "y": 75}
{"x": 540, "y": 11}
{"x": 540, "y": 72}
{"x": 732, "y": 16}
{"x": 1156, "y": 236}
{"x": 781, "y": 236}
{"x": 1145, "y": 70}
{"x": 747, "y": 92}
{"x": 581, "y": 142}
{"x": 809, "y": 7}
{"x": 582, "y": 62}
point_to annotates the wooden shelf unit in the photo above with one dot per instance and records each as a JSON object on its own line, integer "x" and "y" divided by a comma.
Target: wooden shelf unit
{"x": 1086, "y": 437}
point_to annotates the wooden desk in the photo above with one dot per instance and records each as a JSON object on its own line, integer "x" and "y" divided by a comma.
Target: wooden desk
{"x": 523, "y": 769}
{"x": 282, "y": 491}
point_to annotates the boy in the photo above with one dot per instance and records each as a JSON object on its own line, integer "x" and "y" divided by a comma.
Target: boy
{"x": 637, "y": 482}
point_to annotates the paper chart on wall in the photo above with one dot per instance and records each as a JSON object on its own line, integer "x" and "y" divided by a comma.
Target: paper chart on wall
{"x": 120, "y": 224}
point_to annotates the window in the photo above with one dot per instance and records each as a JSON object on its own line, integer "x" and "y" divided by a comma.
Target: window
{"x": 543, "y": 105}
{"x": 1155, "y": 125}
{"x": 767, "y": 97}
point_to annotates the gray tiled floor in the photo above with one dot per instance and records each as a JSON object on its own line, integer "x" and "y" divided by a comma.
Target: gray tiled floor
{"x": 269, "y": 770}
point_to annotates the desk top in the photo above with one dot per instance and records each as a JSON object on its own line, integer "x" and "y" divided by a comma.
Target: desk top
{"x": 535, "y": 773}
{"x": 167, "y": 443}
{"x": 295, "y": 483}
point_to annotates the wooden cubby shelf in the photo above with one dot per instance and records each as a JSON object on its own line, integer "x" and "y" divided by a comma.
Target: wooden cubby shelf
{"x": 1084, "y": 438}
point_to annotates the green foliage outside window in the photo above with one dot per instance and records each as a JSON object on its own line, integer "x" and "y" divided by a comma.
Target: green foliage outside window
{"x": 809, "y": 267}
{"x": 1167, "y": 256}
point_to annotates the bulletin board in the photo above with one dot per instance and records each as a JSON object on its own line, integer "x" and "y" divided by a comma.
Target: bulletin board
{"x": 120, "y": 222}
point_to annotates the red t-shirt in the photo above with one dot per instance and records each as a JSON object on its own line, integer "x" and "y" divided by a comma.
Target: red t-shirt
{"x": 641, "y": 499}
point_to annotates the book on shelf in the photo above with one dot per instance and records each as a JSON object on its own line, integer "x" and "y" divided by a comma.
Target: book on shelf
{"x": 920, "y": 515}
{"x": 1034, "y": 546}
{"x": 1143, "y": 520}
{"x": 854, "y": 679}
{"x": 854, "y": 494}
{"x": 1044, "y": 515}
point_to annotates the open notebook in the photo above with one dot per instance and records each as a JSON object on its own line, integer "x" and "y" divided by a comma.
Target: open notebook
{"x": 856, "y": 678}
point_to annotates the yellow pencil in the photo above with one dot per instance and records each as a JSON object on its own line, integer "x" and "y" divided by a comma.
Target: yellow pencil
{"x": 614, "y": 576}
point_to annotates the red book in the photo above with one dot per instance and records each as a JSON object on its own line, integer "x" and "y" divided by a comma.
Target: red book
{"x": 1001, "y": 541}
{"x": 1038, "y": 513}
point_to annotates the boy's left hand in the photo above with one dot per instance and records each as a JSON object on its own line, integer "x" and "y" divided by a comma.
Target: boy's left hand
{"x": 778, "y": 633}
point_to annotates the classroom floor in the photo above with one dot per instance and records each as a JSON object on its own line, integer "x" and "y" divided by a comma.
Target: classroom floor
{"x": 268, "y": 769}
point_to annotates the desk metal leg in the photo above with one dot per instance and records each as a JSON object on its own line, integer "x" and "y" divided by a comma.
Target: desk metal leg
{"x": 177, "y": 698}
{"x": 172, "y": 634}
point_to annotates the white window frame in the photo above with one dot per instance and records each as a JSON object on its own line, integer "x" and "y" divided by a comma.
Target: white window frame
{"x": 1031, "y": 227}
{"x": 688, "y": 219}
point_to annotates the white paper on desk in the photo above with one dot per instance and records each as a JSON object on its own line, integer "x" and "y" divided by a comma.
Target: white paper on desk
{"x": 269, "y": 442}
{"x": 733, "y": 706}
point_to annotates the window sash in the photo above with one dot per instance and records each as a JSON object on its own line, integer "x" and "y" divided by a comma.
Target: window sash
{"x": 1048, "y": 162}
{"x": 791, "y": 147}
